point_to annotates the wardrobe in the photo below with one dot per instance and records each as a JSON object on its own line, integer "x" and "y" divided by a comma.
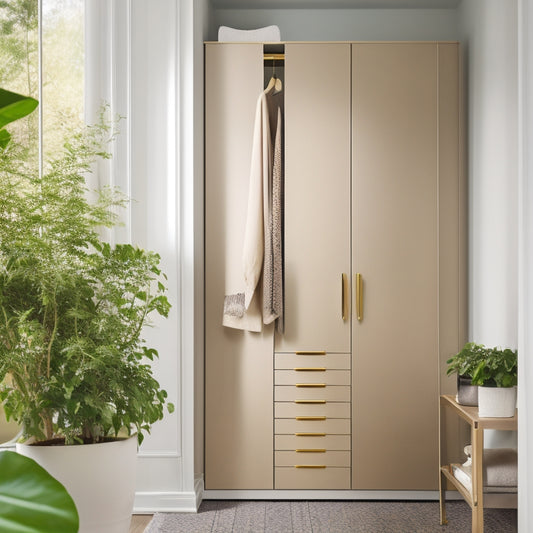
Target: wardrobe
{"x": 346, "y": 399}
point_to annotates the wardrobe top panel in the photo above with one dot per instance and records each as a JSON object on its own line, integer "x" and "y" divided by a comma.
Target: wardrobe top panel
{"x": 331, "y": 42}
{"x": 335, "y": 4}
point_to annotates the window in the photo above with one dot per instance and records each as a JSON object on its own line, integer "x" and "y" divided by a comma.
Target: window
{"x": 42, "y": 55}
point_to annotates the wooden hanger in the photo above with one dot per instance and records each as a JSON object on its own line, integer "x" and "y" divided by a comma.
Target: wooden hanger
{"x": 274, "y": 83}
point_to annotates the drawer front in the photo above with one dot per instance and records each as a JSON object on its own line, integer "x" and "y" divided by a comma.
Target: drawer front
{"x": 331, "y": 393}
{"x": 305, "y": 456}
{"x": 335, "y": 426}
{"x": 333, "y": 478}
{"x": 297, "y": 442}
{"x": 329, "y": 409}
{"x": 289, "y": 361}
{"x": 329, "y": 377}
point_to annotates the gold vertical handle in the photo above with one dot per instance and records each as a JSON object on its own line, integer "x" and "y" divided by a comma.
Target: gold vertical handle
{"x": 344, "y": 300}
{"x": 359, "y": 296}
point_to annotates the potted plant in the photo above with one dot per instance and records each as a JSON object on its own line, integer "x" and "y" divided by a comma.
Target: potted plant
{"x": 497, "y": 377}
{"x": 464, "y": 364}
{"x": 73, "y": 368}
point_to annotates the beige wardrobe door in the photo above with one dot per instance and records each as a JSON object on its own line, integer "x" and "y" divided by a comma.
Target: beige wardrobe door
{"x": 395, "y": 249}
{"x": 238, "y": 365}
{"x": 317, "y": 197}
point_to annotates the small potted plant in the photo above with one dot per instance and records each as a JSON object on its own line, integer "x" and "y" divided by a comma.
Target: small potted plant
{"x": 73, "y": 362}
{"x": 497, "y": 377}
{"x": 464, "y": 364}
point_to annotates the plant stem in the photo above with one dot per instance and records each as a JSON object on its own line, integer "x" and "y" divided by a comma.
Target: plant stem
{"x": 143, "y": 318}
{"x": 9, "y": 334}
{"x": 52, "y": 337}
{"x": 48, "y": 428}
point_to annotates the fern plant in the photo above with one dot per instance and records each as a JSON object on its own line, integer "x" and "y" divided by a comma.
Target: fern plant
{"x": 72, "y": 307}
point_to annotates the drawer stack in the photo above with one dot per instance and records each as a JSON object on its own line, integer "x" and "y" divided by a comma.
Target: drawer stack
{"x": 312, "y": 421}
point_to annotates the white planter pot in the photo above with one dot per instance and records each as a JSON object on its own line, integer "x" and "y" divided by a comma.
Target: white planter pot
{"x": 496, "y": 402}
{"x": 99, "y": 477}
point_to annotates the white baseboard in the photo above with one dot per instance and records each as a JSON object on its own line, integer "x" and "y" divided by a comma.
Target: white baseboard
{"x": 165, "y": 502}
{"x": 170, "y": 502}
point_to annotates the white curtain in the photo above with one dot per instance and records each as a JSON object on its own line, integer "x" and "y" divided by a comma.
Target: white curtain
{"x": 108, "y": 82}
{"x": 132, "y": 66}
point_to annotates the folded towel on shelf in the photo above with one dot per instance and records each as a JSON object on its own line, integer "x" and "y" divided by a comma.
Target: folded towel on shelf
{"x": 268, "y": 34}
{"x": 500, "y": 468}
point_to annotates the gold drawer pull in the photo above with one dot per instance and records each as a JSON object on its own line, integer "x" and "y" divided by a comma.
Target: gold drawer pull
{"x": 311, "y": 353}
{"x": 309, "y": 434}
{"x": 311, "y": 450}
{"x": 317, "y": 385}
{"x": 310, "y": 401}
{"x": 309, "y": 466}
{"x": 310, "y": 418}
{"x": 311, "y": 369}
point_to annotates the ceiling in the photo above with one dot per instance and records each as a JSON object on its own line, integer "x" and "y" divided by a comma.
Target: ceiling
{"x": 335, "y": 4}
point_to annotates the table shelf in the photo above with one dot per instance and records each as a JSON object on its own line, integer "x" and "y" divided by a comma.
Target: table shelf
{"x": 465, "y": 493}
{"x": 475, "y": 497}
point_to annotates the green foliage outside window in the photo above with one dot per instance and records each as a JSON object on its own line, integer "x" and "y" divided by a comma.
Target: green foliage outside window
{"x": 63, "y": 63}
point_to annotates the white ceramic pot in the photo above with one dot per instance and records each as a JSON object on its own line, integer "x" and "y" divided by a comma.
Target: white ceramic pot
{"x": 99, "y": 477}
{"x": 496, "y": 402}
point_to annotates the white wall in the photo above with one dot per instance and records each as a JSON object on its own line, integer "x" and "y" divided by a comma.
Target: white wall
{"x": 344, "y": 24}
{"x": 489, "y": 34}
{"x": 490, "y": 50}
{"x": 141, "y": 61}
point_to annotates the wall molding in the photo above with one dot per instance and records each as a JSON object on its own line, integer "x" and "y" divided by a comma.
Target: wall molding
{"x": 158, "y": 454}
{"x": 170, "y": 502}
{"x": 167, "y": 502}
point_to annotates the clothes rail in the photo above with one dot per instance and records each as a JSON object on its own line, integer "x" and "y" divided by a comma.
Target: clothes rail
{"x": 274, "y": 57}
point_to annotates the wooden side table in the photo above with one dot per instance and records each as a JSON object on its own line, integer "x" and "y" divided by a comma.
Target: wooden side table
{"x": 475, "y": 497}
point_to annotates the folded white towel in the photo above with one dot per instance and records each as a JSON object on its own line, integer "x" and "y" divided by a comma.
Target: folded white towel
{"x": 500, "y": 466}
{"x": 268, "y": 34}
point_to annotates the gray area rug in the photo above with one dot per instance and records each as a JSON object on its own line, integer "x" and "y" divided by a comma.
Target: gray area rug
{"x": 329, "y": 517}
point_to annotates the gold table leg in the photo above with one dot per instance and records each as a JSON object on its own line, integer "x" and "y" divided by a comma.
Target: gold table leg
{"x": 442, "y": 479}
{"x": 442, "y": 499}
{"x": 477, "y": 479}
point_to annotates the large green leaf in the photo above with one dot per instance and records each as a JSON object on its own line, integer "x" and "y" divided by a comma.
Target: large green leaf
{"x": 31, "y": 500}
{"x": 14, "y": 106}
